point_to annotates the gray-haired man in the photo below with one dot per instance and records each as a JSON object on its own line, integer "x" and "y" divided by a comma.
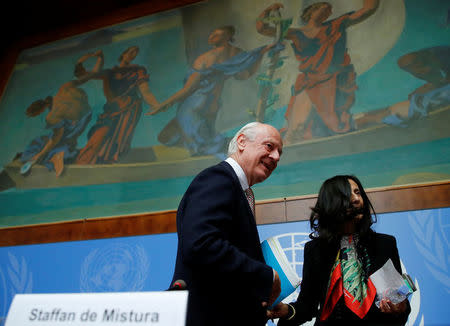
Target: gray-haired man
{"x": 219, "y": 254}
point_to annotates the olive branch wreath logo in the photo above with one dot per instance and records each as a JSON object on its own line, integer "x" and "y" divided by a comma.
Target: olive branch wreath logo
{"x": 430, "y": 242}
{"x": 18, "y": 279}
{"x": 3, "y": 298}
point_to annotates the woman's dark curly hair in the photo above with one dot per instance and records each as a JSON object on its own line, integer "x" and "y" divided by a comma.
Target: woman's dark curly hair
{"x": 332, "y": 209}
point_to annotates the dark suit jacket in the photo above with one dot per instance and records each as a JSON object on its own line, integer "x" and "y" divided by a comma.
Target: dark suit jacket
{"x": 219, "y": 254}
{"x": 317, "y": 264}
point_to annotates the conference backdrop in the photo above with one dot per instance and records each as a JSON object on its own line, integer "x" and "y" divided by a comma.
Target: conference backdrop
{"x": 146, "y": 263}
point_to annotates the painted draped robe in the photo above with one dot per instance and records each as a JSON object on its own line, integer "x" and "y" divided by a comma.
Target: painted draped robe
{"x": 67, "y": 144}
{"x": 110, "y": 138}
{"x": 194, "y": 124}
{"x": 326, "y": 75}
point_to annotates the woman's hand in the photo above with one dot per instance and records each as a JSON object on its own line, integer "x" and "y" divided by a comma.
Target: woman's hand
{"x": 388, "y": 307}
{"x": 281, "y": 310}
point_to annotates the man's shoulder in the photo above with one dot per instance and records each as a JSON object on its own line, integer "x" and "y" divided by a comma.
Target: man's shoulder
{"x": 220, "y": 170}
{"x": 215, "y": 180}
{"x": 221, "y": 166}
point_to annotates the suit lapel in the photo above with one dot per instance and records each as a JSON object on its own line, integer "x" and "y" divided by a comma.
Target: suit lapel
{"x": 240, "y": 195}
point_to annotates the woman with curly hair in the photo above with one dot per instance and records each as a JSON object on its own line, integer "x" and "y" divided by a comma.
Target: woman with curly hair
{"x": 343, "y": 253}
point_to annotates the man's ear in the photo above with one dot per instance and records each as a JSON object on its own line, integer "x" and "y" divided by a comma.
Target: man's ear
{"x": 241, "y": 141}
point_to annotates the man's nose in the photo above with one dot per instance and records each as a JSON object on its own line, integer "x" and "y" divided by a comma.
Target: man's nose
{"x": 275, "y": 155}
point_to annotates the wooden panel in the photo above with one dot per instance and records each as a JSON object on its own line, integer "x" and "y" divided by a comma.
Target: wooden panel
{"x": 161, "y": 222}
{"x": 270, "y": 212}
{"x": 42, "y": 233}
{"x": 403, "y": 198}
{"x": 299, "y": 209}
{"x": 389, "y": 199}
{"x": 384, "y": 200}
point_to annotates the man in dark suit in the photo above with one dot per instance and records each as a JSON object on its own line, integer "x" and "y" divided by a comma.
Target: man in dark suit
{"x": 219, "y": 254}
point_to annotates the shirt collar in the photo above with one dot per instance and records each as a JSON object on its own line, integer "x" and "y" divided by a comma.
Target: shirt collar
{"x": 239, "y": 172}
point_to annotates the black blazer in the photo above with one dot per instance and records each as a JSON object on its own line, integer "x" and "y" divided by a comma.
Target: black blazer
{"x": 219, "y": 253}
{"x": 317, "y": 264}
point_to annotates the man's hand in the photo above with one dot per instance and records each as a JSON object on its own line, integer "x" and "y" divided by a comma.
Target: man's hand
{"x": 276, "y": 290}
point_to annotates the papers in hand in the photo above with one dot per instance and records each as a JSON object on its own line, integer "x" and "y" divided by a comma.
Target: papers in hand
{"x": 390, "y": 284}
{"x": 276, "y": 258}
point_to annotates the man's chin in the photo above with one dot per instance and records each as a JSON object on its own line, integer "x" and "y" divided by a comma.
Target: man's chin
{"x": 262, "y": 177}
{"x": 267, "y": 175}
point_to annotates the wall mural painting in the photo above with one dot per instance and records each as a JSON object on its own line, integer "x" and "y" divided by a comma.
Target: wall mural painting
{"x": 118, "y": 120}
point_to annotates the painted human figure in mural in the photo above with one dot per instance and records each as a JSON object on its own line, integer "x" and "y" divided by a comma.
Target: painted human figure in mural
{"x": 69, "y": 113}
{"x": 124, "y": 86}
{"x": 199, "y": 100}
{"x": 324, "y": 91}
{"x": 431, "y": 65}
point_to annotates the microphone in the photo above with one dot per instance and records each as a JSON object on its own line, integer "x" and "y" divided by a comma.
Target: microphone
{"x": 178, "y": 285}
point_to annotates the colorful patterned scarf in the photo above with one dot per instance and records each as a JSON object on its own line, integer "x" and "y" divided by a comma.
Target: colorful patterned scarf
{"x": 347, "y": 279}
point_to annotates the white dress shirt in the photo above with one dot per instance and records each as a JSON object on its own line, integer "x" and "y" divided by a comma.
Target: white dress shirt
{"x": 242, "y": 179}
{"x": 239, "y": 172}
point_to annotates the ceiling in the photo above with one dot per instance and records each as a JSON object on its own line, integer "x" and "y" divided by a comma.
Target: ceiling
{"x": 31, "y": 18}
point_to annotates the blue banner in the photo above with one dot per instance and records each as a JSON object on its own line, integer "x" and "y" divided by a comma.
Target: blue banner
{"x": 145, "y": 263}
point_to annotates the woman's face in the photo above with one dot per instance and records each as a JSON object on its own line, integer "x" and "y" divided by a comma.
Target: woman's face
{"x": 356, "y": 201}
{"x": 322, "y": 13}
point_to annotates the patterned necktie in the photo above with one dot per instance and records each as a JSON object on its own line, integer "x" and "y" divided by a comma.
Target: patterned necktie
{"x": 251, "y": 199}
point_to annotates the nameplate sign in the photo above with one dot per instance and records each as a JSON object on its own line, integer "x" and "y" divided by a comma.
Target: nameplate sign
{"x": 86, "y": 309}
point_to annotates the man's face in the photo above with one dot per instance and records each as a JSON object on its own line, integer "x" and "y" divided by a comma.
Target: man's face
{"x": 259, "y": 157}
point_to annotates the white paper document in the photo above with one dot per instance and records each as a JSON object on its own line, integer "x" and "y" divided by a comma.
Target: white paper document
{"x": 389, "y": 284}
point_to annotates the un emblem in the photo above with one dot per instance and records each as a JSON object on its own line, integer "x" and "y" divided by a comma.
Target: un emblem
{"x": 431, "y": 234}
{"x": 3, "y": 298}
{"x": 293, "y": 245}
{"x": 17, "y": 278}
{"x": 115, "y": 268}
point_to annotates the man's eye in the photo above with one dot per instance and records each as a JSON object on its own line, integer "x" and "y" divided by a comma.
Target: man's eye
{"x": 269, "y": 146}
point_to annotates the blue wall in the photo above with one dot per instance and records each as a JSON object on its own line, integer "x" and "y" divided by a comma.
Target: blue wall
{"x": 145, "y": 263}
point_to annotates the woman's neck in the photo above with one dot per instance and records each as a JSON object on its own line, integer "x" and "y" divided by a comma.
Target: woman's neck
{"x": 349, "y": 228}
